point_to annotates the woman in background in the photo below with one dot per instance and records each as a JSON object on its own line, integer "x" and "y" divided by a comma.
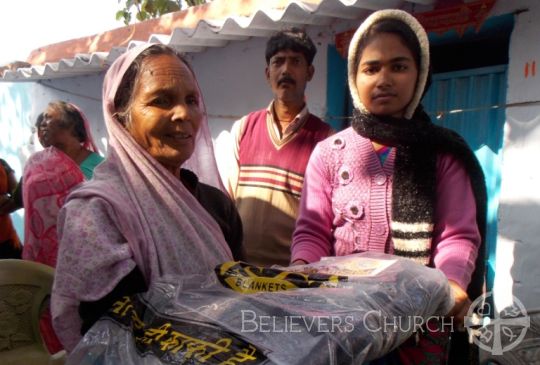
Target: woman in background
{"x": 69, "y": 158}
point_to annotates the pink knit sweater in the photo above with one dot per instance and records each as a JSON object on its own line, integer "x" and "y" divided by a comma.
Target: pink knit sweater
{"x": 346, "y": 207}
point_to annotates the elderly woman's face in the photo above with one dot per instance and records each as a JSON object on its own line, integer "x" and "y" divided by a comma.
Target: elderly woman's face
{"x": 52, "y": 131}
{"x": 165, "y": 113}
{"x": 40, "y": 130}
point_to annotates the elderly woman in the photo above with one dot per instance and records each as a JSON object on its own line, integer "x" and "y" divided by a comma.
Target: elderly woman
{"x": 144, "y": 215}
{"x": 49, "y": 176}
{"x": 69, "y": 158}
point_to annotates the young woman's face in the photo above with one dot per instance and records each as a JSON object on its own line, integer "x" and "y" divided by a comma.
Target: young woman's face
{"x": 165, "y": 111}
{"x": 386, "y": 76}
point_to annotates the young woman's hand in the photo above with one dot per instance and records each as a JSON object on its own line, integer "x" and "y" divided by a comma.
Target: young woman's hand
{"x": 461, "y": 304}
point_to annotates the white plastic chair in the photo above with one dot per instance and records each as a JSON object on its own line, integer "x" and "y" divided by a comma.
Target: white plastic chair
{"x": 25, "y": 287}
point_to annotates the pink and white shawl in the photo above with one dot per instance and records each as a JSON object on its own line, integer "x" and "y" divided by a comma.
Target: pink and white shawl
{"x": 133, "y": 213}
{"x": 49, "y": 176}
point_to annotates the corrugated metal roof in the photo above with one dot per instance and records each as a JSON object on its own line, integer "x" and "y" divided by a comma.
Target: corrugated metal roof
{"x": 216, "y": 33}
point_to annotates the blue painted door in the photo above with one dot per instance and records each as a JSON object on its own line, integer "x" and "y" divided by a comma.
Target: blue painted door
{"x": 470, "y": 102}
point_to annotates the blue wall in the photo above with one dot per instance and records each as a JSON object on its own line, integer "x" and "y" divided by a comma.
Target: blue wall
{"x": 469, "y": 102}
{"x": 16, "y": 122}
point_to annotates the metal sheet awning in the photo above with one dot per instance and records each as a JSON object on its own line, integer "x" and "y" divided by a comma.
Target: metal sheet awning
{"x": 216, "y": 33}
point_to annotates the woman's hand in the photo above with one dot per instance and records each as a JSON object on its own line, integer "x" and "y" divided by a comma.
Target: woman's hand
{"x": 461, "y": 304}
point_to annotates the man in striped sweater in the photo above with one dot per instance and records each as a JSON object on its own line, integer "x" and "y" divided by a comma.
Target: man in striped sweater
{"x": 272, "y": 147}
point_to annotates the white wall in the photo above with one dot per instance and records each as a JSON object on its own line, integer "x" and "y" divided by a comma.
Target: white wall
{"x": 231, "y": 78}
{"x": 518, "y": 244}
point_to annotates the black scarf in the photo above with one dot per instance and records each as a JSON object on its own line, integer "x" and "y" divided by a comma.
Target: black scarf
{"x": 418, "y": 142}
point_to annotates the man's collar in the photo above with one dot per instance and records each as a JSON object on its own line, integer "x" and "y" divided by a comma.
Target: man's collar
{"x": 300, "y": 116}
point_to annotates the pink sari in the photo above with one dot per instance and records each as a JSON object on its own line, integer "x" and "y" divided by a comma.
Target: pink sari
{"x": 133, "y": 213}
{"x": 49, "y": 176}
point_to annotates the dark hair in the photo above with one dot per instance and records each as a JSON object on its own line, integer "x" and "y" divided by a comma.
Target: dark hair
{"x": 71, "y": 118}
{"x": 39, "y": 119}
{"x": 294, "y": 39}
{"x": 393, "y": 26}
{"x": 124, "y": 94}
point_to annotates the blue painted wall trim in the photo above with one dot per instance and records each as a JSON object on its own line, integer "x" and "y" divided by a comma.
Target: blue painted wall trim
{"x": 337, "y": 93}
{"x": 464, "y": 101}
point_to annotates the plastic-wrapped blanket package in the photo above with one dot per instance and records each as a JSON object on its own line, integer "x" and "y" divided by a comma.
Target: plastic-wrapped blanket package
{"x": 342, "y": 310}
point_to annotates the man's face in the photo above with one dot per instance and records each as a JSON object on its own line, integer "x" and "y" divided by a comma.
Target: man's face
{"x": 288, "y": 73}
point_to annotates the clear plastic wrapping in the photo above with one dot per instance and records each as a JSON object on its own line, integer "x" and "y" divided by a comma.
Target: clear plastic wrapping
{"x": 342, "y": 310}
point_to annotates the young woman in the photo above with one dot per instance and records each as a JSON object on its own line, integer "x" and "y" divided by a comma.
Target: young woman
{"x": 393, "y": 182}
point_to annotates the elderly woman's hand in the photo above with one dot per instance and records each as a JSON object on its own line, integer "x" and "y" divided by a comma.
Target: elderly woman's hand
{"x": 461, "y": 304}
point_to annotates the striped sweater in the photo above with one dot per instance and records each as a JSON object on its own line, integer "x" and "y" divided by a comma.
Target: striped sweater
{"x": 270, "y": 180}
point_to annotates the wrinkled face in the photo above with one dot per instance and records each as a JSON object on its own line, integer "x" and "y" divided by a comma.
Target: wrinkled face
{"x": 52, "y": 130}
{"x": 386, "y": 76}
{"x": 288, "y": 73}
{"x": 165, "y": 114}
{"x": 40, "y": 130}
